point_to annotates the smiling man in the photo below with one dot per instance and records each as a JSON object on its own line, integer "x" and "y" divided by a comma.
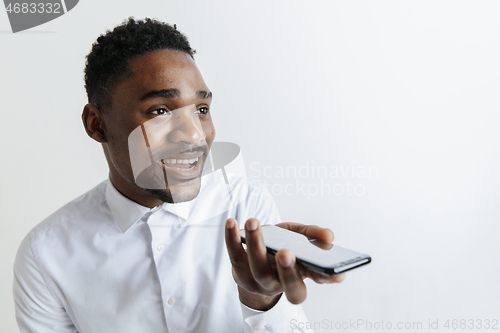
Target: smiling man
{"x": 126, "y": 256}
{"x": 162, "y": 86}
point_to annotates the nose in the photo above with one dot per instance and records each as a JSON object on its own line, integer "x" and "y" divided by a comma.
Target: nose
{"x": 186, "y": 126}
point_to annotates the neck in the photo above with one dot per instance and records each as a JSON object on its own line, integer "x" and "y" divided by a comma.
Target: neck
{"x": 132, "y": 192}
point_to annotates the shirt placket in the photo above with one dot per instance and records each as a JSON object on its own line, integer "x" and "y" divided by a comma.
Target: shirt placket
{"x": 163, "y": 228}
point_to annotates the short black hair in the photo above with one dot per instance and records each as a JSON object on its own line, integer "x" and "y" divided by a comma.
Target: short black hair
{"x": 108, "y": 60}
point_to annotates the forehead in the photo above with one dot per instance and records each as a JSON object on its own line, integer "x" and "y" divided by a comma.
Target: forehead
{"x": 158, "y": 70}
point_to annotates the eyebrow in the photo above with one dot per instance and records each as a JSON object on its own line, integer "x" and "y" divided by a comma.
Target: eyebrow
{"x": 174, "y": 93}
{"x": 204, "y": 94}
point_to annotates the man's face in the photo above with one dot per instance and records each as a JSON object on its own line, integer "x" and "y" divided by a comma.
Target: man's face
{"x": 165, "y": 100}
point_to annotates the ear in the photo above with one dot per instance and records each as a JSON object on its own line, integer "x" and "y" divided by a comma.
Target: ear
{"x": 93, "y": 122}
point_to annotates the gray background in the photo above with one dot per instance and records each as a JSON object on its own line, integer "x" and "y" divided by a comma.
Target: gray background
{"x": 409, "y": 87}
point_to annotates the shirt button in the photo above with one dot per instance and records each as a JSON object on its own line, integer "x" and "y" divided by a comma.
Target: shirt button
{"x": 261, "y": 328}
{"x": 160, "y": 248}
{"x": 171, "y": 301}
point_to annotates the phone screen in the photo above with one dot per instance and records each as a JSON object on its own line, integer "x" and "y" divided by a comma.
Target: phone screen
{"x": 319, "y": 256}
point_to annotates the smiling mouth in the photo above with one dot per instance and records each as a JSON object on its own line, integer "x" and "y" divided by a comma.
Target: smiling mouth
{"x": 180, "y": 164}
{"x": 184, "y": 166}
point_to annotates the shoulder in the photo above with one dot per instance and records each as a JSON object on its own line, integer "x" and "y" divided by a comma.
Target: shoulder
{"x": 73, "y": 213}
{"x": 262, "y": 203}
{"x": 51, "y": 237}
{"x": 253, "y": 200}
{"x": 257, "y": 189}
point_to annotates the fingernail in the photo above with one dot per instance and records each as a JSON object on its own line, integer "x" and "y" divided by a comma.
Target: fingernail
{"x": 285, "y": 261}
{"x": 252, "y": 225}
{"x": 229, "y": 224}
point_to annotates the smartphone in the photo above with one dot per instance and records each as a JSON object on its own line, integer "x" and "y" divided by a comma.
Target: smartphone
{"x": 316, "y": 255}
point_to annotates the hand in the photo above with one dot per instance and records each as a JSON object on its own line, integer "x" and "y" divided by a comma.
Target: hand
{"x": 261, "y": 277}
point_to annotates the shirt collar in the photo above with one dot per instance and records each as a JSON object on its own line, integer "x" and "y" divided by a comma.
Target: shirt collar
{"x": 181, "y": 209}
{"x": 127, "y": 212}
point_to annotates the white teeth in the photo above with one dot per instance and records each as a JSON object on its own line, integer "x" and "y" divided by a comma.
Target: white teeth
{"x": 190, "y": 168}
{"x": 173, "y": 161}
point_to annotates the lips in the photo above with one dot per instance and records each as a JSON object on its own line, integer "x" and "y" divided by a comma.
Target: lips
{"x": 186, "y": 155}
{"x": 179, "y": 161}
{"x": 183, "y": 166}
{"x": 180, "y": 164}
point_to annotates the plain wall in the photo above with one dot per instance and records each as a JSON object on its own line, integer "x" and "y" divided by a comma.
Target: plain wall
{"x": 397, "y": 100}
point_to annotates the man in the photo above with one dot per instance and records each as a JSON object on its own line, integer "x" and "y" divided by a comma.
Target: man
{"x": 128, "y": 256}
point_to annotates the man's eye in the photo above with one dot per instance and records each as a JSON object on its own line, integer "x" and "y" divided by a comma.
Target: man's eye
{"x": 203, "y": 110}
{"x": 160, "y": 111}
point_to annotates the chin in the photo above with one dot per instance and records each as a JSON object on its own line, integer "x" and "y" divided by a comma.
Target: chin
{"x": 182, "y": 192}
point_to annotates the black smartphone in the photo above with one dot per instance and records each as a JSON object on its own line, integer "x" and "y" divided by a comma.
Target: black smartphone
{"x": 316, "y": 255}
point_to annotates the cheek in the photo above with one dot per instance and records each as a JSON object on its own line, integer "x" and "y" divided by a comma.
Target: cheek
{"x": 118, "y": 141}
{"x": 158, "y": 135}
{"x": 209, "y": 132}
{"x": 117, "y": 130}
{"x": 120, "y": 155}
{"x": 118, "y": 149}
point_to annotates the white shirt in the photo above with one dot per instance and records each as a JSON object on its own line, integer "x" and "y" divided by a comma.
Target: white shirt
{"x": 103, "y": 263}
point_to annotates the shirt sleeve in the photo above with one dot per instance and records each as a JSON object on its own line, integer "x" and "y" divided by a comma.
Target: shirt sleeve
{"x": 36, "y": 308}
{"x": 284, "y": 316}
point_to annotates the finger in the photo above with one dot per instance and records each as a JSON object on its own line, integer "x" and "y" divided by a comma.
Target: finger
{"x": 290, "y": 277}
{"x": 310, "y": 231}
{"x": 257, "y": 254}
{"x": 321, "y": 278}
{"x": 237, "y": 254}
